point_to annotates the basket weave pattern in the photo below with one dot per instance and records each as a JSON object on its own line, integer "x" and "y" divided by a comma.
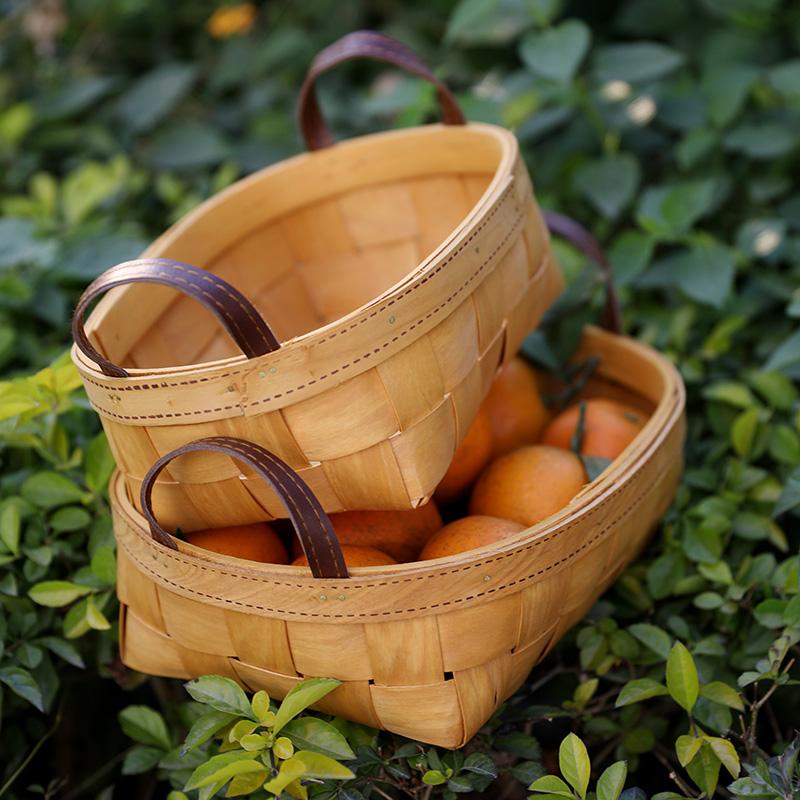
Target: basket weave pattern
{"x": 366, "y": 402}
{"x": 454, "y": 636}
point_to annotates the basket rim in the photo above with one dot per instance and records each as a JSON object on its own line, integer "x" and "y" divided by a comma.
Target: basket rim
{"x": 667, "y": 414}
{"x": 501, "y": 182}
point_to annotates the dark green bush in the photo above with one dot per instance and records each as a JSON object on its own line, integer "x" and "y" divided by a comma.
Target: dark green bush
{"x": 671, "y": 129}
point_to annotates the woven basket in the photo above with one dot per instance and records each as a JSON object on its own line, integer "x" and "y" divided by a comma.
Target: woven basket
{"x": 395, "y": 271}
{"x": 428, "y": 650}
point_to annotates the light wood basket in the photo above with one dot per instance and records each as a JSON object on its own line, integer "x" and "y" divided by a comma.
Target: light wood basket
{"x": 428, "y": 650}
{"x": 396, "y": 270}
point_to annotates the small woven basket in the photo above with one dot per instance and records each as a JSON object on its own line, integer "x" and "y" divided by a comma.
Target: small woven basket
{"x": 428, "y": 650}
{"x": 396, "y": 273}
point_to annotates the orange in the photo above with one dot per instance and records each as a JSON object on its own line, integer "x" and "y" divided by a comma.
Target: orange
{"x": 355, "y": 556}
{"x": 400, "y": 534}
{"x": 471, "y": 456}
{"x": 468, "y": 533}
{"x": 257, "y": 542}
{"x": 516, "y": 412}
{"x": 528, "y": 485}
{"x": 609, "y": 427}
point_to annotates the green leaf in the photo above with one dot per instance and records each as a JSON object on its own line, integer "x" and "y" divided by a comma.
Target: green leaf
{"x": 657, "y": 639}
{"x": 144, "y": 725}
{"x": 220, "y": 693}
{"x": 488, "y": 21}
{"x": 310, "y": 733}
{"x": 221, "y": 768}
{"x": 290, "y": 770}
{"x": 141, "y": 759}
{"x": 95, "y": 618}
{"x": 551, "y": 784}
{"x": 763, "y": 141}
{"x": 731, "y": 392}
{"x": 630, "y": 254}
{"x": 721, "y": 693}
{"x": 300, "y": 697}
{"x": 188, "y": 145}
{"x": 317, "y": 765}
{"x": 19, "y": 244}
{"x": 639, "y": 689}
{"x": 69, "y": 518}
{"x": 63, "y": 649}
{"x": 743, "y": 431}
{"x": 245, "y": 784}
{"x": 260, "y": 705}
{"x": 204, "y": 727}
{"x": 480, "y": 764}
{"x": 704, "y": 769}
{"x": 104, "y": 564}
{"x": 636, "y": 62}
{"x": 22, "y": 683}
{"x": 638, "y": 740}
{"x": 790, "y": 494}
{"x": 682, "y": 681}
{"x": 556, "y": 53}
{"x": 98, "y": 463}
{"x": 687, "y": 747}
{"x": 612, "y": 781}
{"x": 55, "y": 594}
{"x": 10, "y": 526}
{"x": 51, "y": 489}
{"x": 154, "y": 95}
{"x": 609, "y": 183}
{"x": 573, "y": 761}
{"x": 433, "y": 777}
{"x": 75, "y": 622}
{"x": 726, "y": 753}
{"x": 785, "y": 79}
{"x": 786, "y": 354}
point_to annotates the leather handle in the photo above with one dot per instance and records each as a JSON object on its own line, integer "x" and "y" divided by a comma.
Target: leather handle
{"x": 237, "y": 314}
{"x": 310, "y": 521}
{"x": 364, "y": 44}
{"x": 574, "y": 232}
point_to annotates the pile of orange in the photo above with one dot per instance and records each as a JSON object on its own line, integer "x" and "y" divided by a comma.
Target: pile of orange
{"x": 515, "y": 466}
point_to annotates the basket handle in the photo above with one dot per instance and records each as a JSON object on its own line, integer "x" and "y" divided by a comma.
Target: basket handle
{"x": 310, "y": 521}
{"x": 237, "y": 314}
{"x": 574, "y": 232}
{"x": 363, "y": 44}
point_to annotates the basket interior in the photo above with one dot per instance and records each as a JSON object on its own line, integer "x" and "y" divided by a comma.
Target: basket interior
{"x": 303, "y": 263}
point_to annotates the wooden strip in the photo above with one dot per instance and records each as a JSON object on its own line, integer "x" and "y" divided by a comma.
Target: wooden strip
{"x": 385, "y": 488}
{"x": 260, "y": 641}
{"x": 330, "y": 651}
{"x": 146, "y": 650}
{"x": 181, "y": 617}
{"x": 348, "y": 418}
{"x": 480, "y": 690}
{"x": 379, "y": 215}
{"x": 441, "y": 724}
{"x": 405, "y": 652}
{"x": 498, "y": 622}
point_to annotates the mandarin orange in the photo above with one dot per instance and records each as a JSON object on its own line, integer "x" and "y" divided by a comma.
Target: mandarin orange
{"x": 355, "y": 556}
{"x": 471, "y": 456}
{"x": 528, "y": 485}
{"x": 256, "y": 542}
{"x": 516, "y": 412}
{"x": 608, "y": 428}
{"x": 468, "y": 533}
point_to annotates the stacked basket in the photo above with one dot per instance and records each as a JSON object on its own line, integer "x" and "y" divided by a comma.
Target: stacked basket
{"x": 396, "y": 273}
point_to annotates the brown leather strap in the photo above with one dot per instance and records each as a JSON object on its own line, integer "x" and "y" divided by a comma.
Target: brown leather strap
{"x": 236, "y": 313}
{"x": 363, "y": 44}
{"x": 575, "y": 233}
{"x": 310, "y": 521}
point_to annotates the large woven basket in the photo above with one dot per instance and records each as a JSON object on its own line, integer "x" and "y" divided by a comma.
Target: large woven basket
{"x": 395, "y": 272}
{"x": 430, "y": 649}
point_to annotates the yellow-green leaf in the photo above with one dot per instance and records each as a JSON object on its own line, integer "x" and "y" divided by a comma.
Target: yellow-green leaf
{"x": 573, "y": 760}
{"x": 682, "y": 681}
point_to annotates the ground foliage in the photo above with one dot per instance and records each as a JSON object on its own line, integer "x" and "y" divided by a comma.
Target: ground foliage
{"x": 670, "y": 129}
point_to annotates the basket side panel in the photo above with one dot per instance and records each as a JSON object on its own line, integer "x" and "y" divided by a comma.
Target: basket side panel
{"x": 405, "y": 652}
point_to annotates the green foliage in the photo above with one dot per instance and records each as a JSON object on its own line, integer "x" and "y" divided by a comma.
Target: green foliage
{"x": 672, "y": 131}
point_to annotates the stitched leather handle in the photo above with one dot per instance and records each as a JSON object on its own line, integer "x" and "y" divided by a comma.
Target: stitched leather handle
{"x": 236, "y": 313}
{"x": 574, "y": 232}
{"x": 310, "y": 521}
{"x": 364, "y": 44}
